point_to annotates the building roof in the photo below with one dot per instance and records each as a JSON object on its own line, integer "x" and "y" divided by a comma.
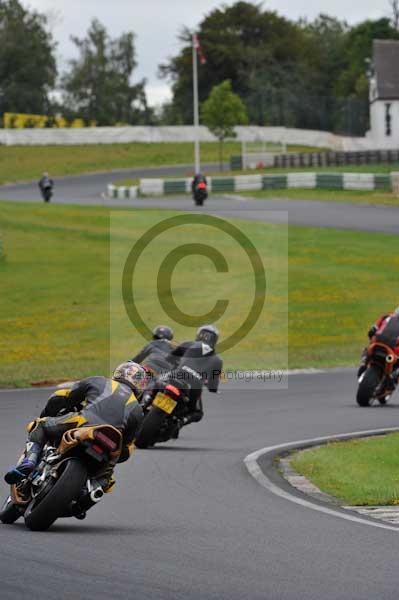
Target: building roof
{"x": 386, "y": 68}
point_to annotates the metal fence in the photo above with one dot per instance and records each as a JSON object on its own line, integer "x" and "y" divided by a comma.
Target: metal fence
{"x": 324, "y": 159}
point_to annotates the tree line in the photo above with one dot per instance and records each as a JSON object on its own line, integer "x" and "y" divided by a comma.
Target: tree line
{"x": 310, "y": 74}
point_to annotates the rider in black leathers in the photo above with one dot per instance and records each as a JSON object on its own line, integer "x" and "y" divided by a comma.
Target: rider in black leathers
{"x": 46, "y": 185}
{"x": 198, "y": 178}
{"x": 154, "y": 355}
{"x": 197, "y": 364}
{"x": 92, "y": 401}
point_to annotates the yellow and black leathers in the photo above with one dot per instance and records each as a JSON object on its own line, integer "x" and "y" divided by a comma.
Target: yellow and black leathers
{"x": 93, "y": 401}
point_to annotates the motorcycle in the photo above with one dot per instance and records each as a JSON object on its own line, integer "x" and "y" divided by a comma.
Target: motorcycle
{"x": 65, "y": 478}
{"x": 47, "y": 193}
{"x": 200, "y": 193}
{"x": 376, "y": 382}
{"x": 161, "y": 422}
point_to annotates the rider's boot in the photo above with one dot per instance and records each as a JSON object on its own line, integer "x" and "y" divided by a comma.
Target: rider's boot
{"x": 26, "y": 465}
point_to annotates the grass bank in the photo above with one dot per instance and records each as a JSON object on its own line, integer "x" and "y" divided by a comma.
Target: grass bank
{"x": 62, "y": 310}
{"x": 340, "y": 196}
{"x": 56, "y": 299}
{"x": 358, "y": 472}
{"x": 22, "y": 163}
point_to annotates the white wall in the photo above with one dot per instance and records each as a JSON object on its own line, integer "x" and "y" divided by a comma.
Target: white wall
{"x": 117, "y": 135}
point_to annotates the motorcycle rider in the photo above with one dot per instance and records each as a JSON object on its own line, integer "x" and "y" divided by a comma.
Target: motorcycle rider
{"x": 153, "y": 355}
{"x": 46, "y": 185}
{"x": 198, "y": 178}
{"x": 197, "y": 364}
{"x": 386, "y": 331}
{"x": 101, "y": 400}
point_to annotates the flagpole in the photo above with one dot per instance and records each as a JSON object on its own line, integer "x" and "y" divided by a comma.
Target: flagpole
{"x": 196, "y": 108}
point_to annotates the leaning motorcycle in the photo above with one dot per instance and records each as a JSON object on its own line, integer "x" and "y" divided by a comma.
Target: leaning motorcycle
{"x": 162, "y": 417}
{"x": 200, "y": 193}
{"x": 65, "y": 478}
{"x": 376, "y": 381}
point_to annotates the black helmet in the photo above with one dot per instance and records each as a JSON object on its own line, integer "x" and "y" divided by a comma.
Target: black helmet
{"x": 134, "y": 375}
{"x": 162, "y": 332}
{"x": 208, "y": 334}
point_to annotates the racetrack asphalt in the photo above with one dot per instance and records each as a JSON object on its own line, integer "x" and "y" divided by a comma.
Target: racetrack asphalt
{"x": 90, "y": 189}
{"x": 188, "y": 521}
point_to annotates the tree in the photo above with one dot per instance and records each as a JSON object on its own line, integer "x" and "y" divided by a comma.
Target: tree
{"x": 98, "y": 85}
{"x": 241, "y": 43}
{"x": 27, "y": 62}
{"x": 358, "y": 48}
{"x": 221, "y": 112}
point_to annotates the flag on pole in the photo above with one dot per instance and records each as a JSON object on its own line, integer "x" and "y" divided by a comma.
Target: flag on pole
{"x": 198, "y": 48}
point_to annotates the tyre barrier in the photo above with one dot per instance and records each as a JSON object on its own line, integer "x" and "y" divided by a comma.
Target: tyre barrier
{"x": 241, "y": 183}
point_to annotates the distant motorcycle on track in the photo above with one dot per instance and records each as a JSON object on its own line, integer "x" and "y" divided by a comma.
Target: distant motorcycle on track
{"x": 199, "y": 188}
{"x": 46, "y": 185}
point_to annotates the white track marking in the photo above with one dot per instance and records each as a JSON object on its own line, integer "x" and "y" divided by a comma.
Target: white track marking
{"x": 251, "y": 463}
{"x": 30, "y": 389}
{"x": 316, "y": 371}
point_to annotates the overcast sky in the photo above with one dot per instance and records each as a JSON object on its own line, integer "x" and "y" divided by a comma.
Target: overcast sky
{"x": 156, "y": 24}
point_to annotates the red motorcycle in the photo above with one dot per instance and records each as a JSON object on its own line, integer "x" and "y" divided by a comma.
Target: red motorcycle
{"x": 378, "y": 381}
{"x": 200, "y": 193}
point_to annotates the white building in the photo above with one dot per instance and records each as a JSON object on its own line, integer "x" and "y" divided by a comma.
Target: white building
{"x": 384, "y": 95}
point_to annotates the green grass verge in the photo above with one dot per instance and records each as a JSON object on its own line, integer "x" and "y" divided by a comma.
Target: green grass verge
{"x": 57, "y": 300}
{"x": 358, "y": 472}
{"x": 340, "y": 196}
{"x": 22, "y": 163}
{"x": 54, "y": 286}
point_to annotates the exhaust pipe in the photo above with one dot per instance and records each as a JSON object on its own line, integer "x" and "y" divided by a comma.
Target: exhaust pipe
{"x": 390, "y": 358}
{"x": 96, "y": 495}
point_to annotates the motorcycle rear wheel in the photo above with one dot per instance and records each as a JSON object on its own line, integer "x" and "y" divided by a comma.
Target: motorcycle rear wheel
{"x": 367, "y": 386}
{"x": 149, "y": 430}
{"x": 42, "y": 513}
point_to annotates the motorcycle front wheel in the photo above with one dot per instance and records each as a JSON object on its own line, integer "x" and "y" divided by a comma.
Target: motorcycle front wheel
{"x": 367, "y": 386}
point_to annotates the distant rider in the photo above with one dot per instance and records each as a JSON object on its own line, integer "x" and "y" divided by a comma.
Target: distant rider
{"x": 101, "y": 400}
{"x": 154, "y": 354}
{"x": 197, "y": 179}
{"x": 46, "y": 185}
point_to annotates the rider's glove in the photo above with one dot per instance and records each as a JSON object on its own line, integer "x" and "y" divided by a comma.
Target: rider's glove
{"x": 372, "y": 331}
